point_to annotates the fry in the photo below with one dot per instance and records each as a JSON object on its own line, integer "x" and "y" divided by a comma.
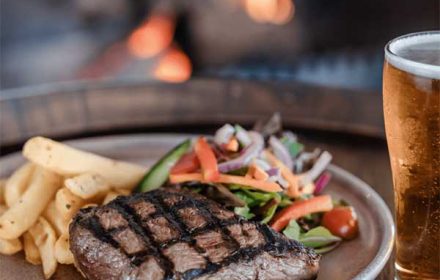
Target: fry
{"x": 25, "y": 212}
{"x": 2, "y": 190}
{"x": 123, "y": 191}
{"x": 68, "y": 161}
{"x": 45, "y": 238}
{"x": 110, "y": 196}
{"x": 12, "y": 246}
{"x": 52, "y": 215}
{"x": 67, "y": 204}
{"x": 30, "y": 249}
{"x": 87, "y": 185}
{"x": 62, "y": 250}
{"x": 17, "y": 183}
{"x": 89, "y": 205}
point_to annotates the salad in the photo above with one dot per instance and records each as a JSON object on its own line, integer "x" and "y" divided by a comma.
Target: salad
{"x": 264, "y": 174}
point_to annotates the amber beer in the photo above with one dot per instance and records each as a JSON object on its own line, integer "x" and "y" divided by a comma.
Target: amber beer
{"x": 411, "y": 96}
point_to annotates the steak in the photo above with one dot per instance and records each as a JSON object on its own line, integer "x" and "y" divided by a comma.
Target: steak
{"x": 180, "y": 235}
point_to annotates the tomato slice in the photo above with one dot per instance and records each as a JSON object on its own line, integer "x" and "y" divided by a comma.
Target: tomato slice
{"x": 188, "y": 163}
{"x": 342, "y": 222}
{"x": 207, "y": 160}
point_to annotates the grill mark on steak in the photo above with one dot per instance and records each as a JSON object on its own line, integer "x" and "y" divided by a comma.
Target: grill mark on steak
{"x": 172, "y": 216}
{"x": 135, "y": 224}
{"x": 98, "y": 231}
{"x": 221, "y": 225}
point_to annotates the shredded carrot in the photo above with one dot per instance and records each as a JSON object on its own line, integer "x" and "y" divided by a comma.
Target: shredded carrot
{"x": 292, "y": 179}
{"x": 307, "y": 189}
{"x": 322, "y": 203}
{"x": 181, "y": 178}
{"x": 232, "y": 145}
{"x": 207, "y": 160}
{"x": 256, "y": 184}
{"x": 257, "y": 173}
{"x": 227, "y": 179}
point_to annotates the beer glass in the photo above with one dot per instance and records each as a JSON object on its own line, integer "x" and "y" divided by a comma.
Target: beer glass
{"x": 411, "y": 99}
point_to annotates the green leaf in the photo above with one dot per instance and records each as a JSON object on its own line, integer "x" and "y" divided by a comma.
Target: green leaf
{"x": 318, "y": 237}
{"x": 292, "y": 230}
{"x": 244, "y": 211}
{"x": 251, "y": 202}
{"x": 239, "y": 172}
{"x": 253, "y": 198}
{"x": 293, "y": 147}
{"x": 269, "y": 214}
{"x": 285, "y": 201}
{"x": 235, "y": 187}
{"x": 327, "y": 249}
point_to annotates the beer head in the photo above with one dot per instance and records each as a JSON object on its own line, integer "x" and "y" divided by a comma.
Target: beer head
{"x": 417, "y": 53}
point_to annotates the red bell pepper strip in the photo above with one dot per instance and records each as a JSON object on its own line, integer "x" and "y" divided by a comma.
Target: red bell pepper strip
{"x": 188, "y": 163}
{"x": 322, "y": 203}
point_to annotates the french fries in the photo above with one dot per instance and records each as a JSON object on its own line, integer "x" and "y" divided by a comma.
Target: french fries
{"x": 30, "y": 249}
{"x": 67, "y": 204}
{"x": 2, "y": 191}
{"x": 25, "y": 212}
{"x": 54, "y": 217}
{"x": 87, "y": 186}
{"x": 39, "y": 200}
{"x": 45, "y": 238}
{"x": 68, "y": 162}
{"x": 110, "y": 196}
{"x": 62, "y": 250}
{"x": 17, "y": 183}
{"x": 9, "y": 246}
{"x": 123, "y": 191}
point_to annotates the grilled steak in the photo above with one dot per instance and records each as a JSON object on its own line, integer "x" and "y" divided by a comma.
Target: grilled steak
{"x": 179, "y": 235}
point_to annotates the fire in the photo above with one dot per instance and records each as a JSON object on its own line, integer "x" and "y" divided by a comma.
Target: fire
{"x": 270, "y": 11}
{"x": 174, "y": 66}
{"x": 152, "y": 37}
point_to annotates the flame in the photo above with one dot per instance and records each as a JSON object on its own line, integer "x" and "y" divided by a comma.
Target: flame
{"x": 174, "y": 66}
{"x": 270, "y": 11}
{"x": 152, "y": 36}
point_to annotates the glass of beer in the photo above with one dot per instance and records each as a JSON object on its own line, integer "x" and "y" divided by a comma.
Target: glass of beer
{"x": 411, "y": 98}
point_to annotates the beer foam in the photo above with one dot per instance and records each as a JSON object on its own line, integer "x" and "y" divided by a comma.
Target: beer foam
{"x": 416, "y": 53}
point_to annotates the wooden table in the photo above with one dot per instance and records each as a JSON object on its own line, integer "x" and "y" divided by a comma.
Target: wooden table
{"x": 347, "y": 123}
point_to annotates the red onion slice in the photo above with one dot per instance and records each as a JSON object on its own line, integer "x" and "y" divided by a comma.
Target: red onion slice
{"x": 281, "y": 152}
{"x": 250, "y": 152}
{"x": 320, "y": 165}
{"x": 224, "y": 134}
{"x": 322, "y": 182}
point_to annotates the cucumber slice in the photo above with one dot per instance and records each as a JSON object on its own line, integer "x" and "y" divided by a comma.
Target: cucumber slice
{"x": 158, "y": 174}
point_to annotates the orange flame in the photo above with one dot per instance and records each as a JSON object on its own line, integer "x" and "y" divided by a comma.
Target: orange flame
{"x": 151, "y": 37}
{"x": 174, "y": 66}
{"x": 270, "y": 11}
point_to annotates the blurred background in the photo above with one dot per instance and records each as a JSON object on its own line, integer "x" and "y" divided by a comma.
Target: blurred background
{"x": 330, "y": 43}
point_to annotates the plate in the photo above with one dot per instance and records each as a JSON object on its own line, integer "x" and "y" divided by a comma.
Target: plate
{"x": 361, "y": 258}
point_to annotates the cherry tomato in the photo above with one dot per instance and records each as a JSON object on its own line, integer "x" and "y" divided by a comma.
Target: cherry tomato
{"x": 342, "y": 222}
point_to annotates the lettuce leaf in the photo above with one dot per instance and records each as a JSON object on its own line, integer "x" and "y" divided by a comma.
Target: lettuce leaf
{"x": 293, "y": 230}
{"x": 244, "y": 212}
